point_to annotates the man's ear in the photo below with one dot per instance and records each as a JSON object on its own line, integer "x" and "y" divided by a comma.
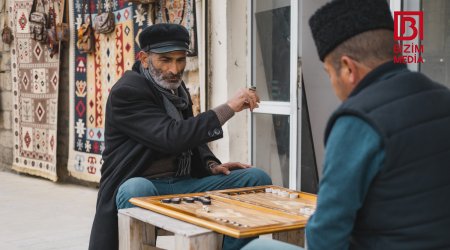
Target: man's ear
{"x": 144, "y": 57}
{"x": 349, "y": 71}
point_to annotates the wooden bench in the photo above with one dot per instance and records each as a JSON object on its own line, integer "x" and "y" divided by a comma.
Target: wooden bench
{"x": 138, "y": 229}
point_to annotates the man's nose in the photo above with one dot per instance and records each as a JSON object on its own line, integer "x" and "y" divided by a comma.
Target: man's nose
{"x": 173, "y": 68}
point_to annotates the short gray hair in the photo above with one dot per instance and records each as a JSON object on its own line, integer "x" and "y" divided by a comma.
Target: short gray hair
{"x": 369, "y": 48}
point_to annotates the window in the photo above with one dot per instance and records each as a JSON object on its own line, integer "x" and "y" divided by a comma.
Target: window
{"x": 436, "y": 41}
{"x": 273, "y": 71}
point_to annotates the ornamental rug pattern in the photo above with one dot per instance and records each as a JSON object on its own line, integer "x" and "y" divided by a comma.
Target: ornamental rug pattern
{"x": 93, "y": 75}
{"x": 35, "y": 76}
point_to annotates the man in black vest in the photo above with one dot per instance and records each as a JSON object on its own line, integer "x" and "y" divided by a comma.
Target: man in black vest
{"x": 385, "y": 181}
{"x": 154, "y": 145}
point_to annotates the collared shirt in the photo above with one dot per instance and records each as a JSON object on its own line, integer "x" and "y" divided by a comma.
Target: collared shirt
{"x": 354, "y": 154}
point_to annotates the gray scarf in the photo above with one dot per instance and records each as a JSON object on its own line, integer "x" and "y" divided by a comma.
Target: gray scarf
{"x": 174, "y": 105}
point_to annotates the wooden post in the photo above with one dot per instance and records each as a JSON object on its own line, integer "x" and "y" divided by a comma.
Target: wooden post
{"x": 296, "y": 237}
{"x": 135, "y": 234}
{"x": 138, "y": 229}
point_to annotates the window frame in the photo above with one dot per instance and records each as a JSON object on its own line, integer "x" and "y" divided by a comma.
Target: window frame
{"x": 291, "y": 108}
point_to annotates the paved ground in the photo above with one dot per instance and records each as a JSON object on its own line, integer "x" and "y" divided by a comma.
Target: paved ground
{"x": 37, "y": 214}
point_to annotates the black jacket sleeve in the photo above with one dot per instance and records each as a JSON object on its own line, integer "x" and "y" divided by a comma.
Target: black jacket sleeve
{"x": 139, "y": 113}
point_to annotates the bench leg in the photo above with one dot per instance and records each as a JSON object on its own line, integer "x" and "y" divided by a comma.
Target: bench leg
{"x": 135, "y": 234}
{"x": 209, "y": 241}
{"x": 296, "y": 237}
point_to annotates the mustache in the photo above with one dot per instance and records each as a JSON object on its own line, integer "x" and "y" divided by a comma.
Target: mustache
{"x": 171, "y": 76}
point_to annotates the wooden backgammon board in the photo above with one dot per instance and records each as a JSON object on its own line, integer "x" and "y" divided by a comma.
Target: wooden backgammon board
{"x": 240, "y": 213}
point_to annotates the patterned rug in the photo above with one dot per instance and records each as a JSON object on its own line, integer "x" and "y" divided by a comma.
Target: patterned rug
{"x": 35, "y": 78}
{"x": 93, "y": 75}
{"x": 179, "y": 12}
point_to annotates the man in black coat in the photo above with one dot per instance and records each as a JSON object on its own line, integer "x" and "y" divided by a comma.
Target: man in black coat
{"x": 154, "y": 145}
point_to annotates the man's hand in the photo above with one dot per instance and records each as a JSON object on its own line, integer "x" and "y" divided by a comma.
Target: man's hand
{"x": 226, "y": 168}
{"x": 243, "y": 99}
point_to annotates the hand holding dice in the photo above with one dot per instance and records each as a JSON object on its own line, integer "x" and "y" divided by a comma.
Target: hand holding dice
{"x": 244, "y": 99}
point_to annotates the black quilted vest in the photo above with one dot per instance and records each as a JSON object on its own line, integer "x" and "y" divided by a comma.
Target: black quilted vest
{"x": 408, "y": 203}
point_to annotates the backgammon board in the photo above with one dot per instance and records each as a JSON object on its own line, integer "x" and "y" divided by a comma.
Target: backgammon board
{"x": 239, "y": 213}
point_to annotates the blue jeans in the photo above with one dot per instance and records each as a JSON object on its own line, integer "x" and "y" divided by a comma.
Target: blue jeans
{"x": 267, "y": 244}
{"x": 139, "y": 186}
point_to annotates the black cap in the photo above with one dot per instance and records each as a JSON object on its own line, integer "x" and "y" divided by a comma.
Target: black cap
{"x": 164, "y": 37}
{"x": 340, "y": 20}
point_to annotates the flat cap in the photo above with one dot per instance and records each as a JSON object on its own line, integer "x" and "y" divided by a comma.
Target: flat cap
{"x": 340, "y": 20}
{"x": 164, "y": 37}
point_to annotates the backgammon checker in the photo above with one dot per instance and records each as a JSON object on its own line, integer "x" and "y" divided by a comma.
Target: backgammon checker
{"x": 239, "y": 213}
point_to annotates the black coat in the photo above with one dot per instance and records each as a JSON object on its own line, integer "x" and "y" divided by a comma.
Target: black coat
{"x": 138, "y": 131}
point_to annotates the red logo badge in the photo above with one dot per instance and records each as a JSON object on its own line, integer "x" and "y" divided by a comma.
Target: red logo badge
{"x": 408, "y": 20}
{"x": 408, "y": 26}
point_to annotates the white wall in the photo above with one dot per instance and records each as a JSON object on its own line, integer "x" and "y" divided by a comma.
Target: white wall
{"x": 227, "y": 58}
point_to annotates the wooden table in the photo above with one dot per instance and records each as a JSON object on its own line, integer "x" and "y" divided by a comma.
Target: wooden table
{"x": 239, "y": 213}
{"x": 139, "y": 228}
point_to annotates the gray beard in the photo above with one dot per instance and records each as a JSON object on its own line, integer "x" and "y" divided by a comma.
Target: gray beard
{"x": 159, "y": 78}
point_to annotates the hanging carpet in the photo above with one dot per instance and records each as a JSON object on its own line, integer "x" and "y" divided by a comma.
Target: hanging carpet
{"x": 92, "y": 75}
{"x": 35, "y": 76}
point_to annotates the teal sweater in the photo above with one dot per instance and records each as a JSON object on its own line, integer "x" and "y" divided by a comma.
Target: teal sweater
{"x": 353, "y": 156}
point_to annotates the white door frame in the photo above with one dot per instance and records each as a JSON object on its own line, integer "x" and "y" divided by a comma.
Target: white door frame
{"x": 290, "y": 108}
